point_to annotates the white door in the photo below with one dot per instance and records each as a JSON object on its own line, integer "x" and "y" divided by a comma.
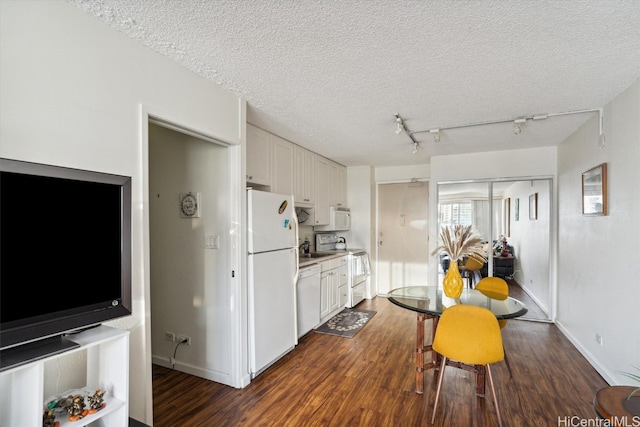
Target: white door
{"x": 403, "y": 233}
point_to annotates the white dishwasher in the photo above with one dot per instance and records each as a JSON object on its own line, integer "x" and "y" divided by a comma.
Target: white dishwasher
{"x": 308, "y": 298}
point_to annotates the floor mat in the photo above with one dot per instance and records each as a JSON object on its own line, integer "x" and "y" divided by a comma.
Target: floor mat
{"x": 347, "y": 323}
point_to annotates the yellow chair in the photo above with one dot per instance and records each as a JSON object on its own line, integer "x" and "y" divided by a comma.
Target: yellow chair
{"x": 471, "y": 335}
{"x": 496, "y": 288}
{"x": 471, "y": 266}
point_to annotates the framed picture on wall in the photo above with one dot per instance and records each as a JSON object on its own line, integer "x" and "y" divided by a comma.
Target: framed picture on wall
{"x": 594, "y": 191}
{"x": 517, "y": 210}
{"x": 533, "y": 206}
{"x": 190, "y": 205}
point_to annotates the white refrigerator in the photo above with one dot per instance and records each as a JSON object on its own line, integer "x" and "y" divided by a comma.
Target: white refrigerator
{"x": 272, "y": 242}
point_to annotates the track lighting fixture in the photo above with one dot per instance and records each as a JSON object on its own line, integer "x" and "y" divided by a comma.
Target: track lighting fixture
{"x": 415, "y": 148}
{"x": 517, "y": 124}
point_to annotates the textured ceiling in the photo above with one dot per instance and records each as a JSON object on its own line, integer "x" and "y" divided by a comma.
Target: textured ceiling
{"x": 330, "y": 75}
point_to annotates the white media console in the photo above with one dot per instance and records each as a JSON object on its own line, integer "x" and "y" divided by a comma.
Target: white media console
{"x": 22, "y": 387}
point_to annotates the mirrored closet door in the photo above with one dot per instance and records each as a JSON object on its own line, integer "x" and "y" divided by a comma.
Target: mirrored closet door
{"x": 514, "y": 219}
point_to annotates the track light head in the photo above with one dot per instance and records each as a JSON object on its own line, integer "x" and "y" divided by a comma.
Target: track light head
{"x": 517, "y": 125}
{"x": 399, "y": 125}
{"x": 436, "y": 135}
{"x": 415, "y": 148}
{"x": 516, "y": 129}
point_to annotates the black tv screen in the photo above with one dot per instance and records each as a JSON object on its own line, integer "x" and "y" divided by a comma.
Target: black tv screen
{"x": 65, "y": 250}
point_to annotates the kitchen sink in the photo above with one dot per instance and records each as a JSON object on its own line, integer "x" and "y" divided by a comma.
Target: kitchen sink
{"x": 313, "y": 255}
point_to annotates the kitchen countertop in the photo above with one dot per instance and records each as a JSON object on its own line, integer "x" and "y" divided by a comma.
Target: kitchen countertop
{"x": 304, "y": 261}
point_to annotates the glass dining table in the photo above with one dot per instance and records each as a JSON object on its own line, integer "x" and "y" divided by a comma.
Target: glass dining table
{"x": 429, "y": 302}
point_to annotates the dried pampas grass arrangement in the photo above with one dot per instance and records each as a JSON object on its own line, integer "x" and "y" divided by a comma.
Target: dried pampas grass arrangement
{"x": 461, "y": 241}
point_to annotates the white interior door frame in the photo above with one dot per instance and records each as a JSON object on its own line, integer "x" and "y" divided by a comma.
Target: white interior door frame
{"x": 237, "y": 265}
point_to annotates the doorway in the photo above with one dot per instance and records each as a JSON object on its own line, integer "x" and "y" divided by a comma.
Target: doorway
{"x": 188, "y": 257}
{"x": 403, "y": 235}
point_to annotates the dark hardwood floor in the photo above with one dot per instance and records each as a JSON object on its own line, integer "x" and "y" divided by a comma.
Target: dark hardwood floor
{"x": 369, "y": 380}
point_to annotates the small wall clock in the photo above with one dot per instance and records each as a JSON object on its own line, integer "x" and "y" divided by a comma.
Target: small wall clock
{"x": 190, "y": 205}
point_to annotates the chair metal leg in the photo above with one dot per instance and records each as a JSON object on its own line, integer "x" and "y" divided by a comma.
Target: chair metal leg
{"x": 493, "y": 393}
{"x": 440, "y": 377}
{"x": 508, "y": 364}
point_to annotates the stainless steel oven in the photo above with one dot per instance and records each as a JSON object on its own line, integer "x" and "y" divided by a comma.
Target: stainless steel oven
{"x": 359, "y": 273}
{"x": 359, "y": 268}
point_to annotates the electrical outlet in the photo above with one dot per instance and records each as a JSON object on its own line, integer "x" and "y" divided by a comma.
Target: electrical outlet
{"x": 183, "y": 338}
{"x": 170, "y": 336}
{"x": 599, "y": 339}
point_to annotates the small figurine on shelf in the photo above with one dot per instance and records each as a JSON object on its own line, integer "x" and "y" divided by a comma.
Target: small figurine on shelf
{"x": 77, "y": 408}
{"x": 505, "y": 248}
{"x": 96, "y": 401}
{"x": 497, "y": 245}
{"x": 48, "y": 419}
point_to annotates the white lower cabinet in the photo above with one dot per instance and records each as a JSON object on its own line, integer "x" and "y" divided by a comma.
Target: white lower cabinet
{"x": 343, "y": 285}
{"x": 344, "y": 295}
{"x": 107, "y": 368}
{"x": 333, "y": 283}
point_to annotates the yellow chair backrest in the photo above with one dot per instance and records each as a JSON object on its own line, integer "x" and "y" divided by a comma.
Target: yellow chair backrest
{"x": 473, "y": 264}
{"x": 469, "y": 334}
{"x": 496, "y": 288}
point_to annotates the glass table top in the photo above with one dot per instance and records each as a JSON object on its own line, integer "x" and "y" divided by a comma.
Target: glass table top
{"x": 432, "y": 300}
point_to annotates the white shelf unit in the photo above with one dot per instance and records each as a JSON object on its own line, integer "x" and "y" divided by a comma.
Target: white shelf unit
{"x": 22, "y": 387}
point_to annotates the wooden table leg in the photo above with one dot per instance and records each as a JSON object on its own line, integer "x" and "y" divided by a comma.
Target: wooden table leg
{"x": 480, "y": 379}
{"x": 421, "y": 348}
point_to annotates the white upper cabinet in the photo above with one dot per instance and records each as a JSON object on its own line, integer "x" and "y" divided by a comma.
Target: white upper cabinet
{"x": 337, "y": 185}
{"x": 304, "y": 176}
{"x": 269, "y": 161}
{"x": 322, "y": 184}
{"x": 281, "y": 166}
{"x": 258, "y": 155}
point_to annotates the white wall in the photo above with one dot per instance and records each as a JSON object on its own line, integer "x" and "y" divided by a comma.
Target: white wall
{"x": 402, "y": 173}
{"x": 361, "y": 199}
{"x": 598, "y": 291}
{"x": 71, "y": 95}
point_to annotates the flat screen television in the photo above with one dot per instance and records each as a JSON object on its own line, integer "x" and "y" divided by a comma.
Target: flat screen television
{"x": 65, "y": 256}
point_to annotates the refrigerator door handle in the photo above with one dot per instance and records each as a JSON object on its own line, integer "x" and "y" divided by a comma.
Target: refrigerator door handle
{"x": 294, "y": 217}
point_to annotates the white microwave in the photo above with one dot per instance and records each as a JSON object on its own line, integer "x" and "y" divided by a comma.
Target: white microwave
{"x": 339, "y": 220}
